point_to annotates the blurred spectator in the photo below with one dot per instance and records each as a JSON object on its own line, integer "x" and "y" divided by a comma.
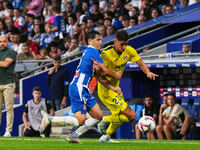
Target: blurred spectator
{"x": 58, "y": 84}
{"x": 134, "y": 12}
{"x": 34, "y": 7}
{"x": 38, "y": 37}
{"x": 33, "y": 48}
{"x": 169, "y": 9}
{"x": 141, "y": 19}
{"x": 91, "y": 25}
{"x": 73, "y": 48}
{"x": 25, "y": 54}
{"x": 69, "y": 8}
{"x": 71, "y": 24}
{"x": 155, "y": 12}
{"x": 78, "y": 5}
{"x": 2, "y": 28}
{"x": 186, "y": 48}
{"x": 96, "y": 14}
{"x": 119, "y": 8}
{"x": 107, "y": 22}
{"x": 5, "y": 12}
{"x": 184, "y": 3}
{"x": 151, "y": 108}
{"x": 164, "y": 9}
{"x": 30, "y": 24}
{"x": 49, "y": 18}
{"x": 17, "y": 3}
{"x": 59, "y": 23}
{"x": 19, "y": 21}
{"x": 48, "y": 36}
{"x": 15, "y": 44}
{"x": 53, "y": 49}
{"x": 85, "y": 9}
{"x": 133, "y": 21}
{"x": 146, "y": 9}
{"x": 126, "y": 21}
{"x": 32, "y": 114}
{"x": 102, "y": 30}
{"x": 43, "y": 54}
{"x": 174, "y": 3}
{"x": 110, "y": 30}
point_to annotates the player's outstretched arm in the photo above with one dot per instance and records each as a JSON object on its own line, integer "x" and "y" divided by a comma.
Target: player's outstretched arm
{"x": 100, "y": 77}
{"x": 97, "y": 66}
{"x": 146, "y": 70}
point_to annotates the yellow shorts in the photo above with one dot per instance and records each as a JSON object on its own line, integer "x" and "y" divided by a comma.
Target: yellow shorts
{"x": 113, "y": 101}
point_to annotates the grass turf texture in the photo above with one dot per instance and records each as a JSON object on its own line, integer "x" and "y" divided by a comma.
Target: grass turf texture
{"x": 18, "y": 143}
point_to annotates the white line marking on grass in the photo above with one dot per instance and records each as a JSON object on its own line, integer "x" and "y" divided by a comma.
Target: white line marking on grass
{"x": 85, "y": 140}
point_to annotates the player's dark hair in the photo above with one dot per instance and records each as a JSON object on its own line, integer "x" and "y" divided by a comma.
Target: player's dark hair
{"x": 57, "y": 58}
{"x": 172, "y": 94}
{"x": 122, "y": 35}
{"x": 151, "y": 96}
{"x": 37, "y": 88}
{"x": 91, "y": 35}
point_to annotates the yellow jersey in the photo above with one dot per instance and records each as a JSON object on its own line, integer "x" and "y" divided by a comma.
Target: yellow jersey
{"x": 116, "y": 62}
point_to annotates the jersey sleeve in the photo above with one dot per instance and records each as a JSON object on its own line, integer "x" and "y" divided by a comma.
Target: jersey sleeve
{"x": 176, "y": 111}
{"x": 133, "y": 53}
{"x": 97, "y": 57}
{"x": 26, "y": 108}
{"x": 56, "y": 24}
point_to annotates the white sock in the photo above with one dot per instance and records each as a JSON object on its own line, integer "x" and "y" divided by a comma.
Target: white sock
{"x": 84, "y": 128}
{"x": 64, "y": 119}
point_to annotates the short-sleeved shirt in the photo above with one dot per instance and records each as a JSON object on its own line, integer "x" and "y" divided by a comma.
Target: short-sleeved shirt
{"x": 34, "y": 112}
{"x": 7, "y": 75}
{"x": 150, "y": 111}
{"x": 59, "y": 22}
{"x": 116, "y": 62}
{"x": 178, "y": 112}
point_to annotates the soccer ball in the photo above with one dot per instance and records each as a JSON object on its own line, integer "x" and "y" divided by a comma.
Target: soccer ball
{"x": 146, "y": 124}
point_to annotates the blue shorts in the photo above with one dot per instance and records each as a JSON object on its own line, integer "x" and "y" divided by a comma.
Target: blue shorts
{"x": 81, "y": 99}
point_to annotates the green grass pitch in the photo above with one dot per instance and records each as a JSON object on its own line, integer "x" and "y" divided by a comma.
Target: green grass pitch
{"x": 19, "y": 143}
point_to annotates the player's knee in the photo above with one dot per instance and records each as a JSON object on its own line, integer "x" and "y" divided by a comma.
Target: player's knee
{"x": 81, "y": 122}
{"x": 158, "y": 128}
{"x": 132, "y": 116}
{"x": 99, "y": 117}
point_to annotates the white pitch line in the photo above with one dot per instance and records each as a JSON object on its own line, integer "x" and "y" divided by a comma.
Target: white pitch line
{"x": 121, "y": 141}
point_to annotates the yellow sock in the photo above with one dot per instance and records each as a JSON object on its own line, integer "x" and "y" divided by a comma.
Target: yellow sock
{"x": 117, "y": 118}
{"x": 112, "y": 128}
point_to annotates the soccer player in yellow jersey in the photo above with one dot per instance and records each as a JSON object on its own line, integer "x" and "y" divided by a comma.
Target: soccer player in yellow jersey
{"x": 115, "y": 58}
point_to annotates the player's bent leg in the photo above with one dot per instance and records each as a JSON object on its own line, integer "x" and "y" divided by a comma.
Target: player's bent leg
{"x": 129, "y": 113}
{"x": 138, "y": 133}
{"x": 96, "y": 112}
{"x": 80, "y": 117}
{"x": 159, "y": 131}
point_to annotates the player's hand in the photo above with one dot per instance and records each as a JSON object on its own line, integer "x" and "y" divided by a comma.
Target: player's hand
{"x": 152, "y": 75}
{"x": 26, "y": 127}
{"x": 119, "y": 74}
{"x": 163, "y": 106}
{"x": 118, "y": 90}
{"x": 96, "y": 65}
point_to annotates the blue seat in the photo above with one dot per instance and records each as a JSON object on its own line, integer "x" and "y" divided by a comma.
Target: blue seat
{"x": 194, "y": 111}
{"x": 185, "y": 104}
